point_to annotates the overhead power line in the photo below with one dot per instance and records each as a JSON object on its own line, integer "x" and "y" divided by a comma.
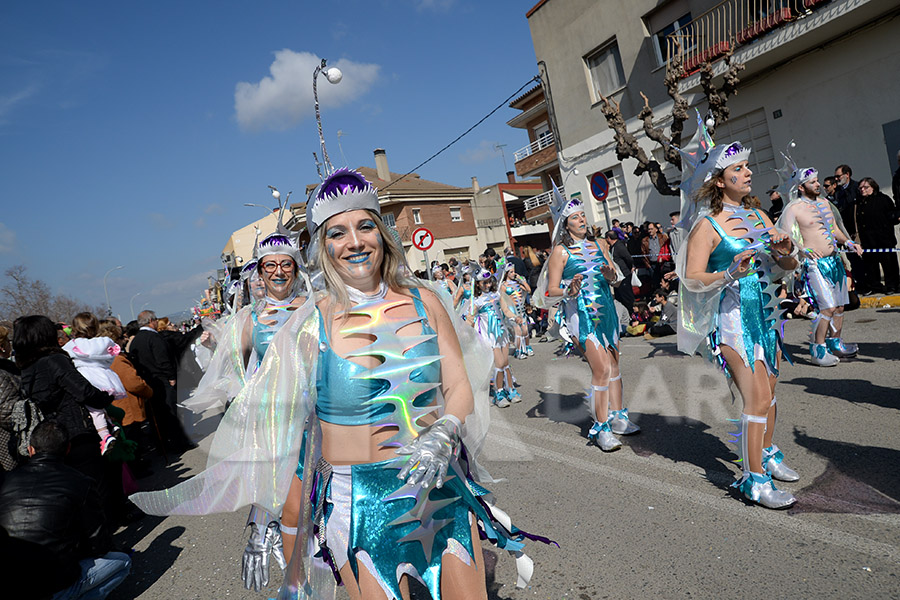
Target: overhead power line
{"x": 466, "y": 132}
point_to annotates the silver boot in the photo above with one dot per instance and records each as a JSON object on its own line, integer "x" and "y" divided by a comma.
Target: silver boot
{"x": 773, "y": 463}
{"x": 620, "y": 424}
{"x": 840, "y": 348}
{"x": 602, "y": 435}
{"x": 760, "y": 489}
{"x": 821, "y": 356}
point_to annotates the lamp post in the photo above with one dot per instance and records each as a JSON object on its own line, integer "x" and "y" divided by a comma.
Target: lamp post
{"x": 131, "y": 305}
{"x": 105, "y": 291}
{"x": 334, "y": 75}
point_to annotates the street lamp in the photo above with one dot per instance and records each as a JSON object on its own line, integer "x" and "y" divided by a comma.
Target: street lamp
{"x": 105, "y": 291}
{"x": 334, "y": 75}
{"x": 131, "y": 305}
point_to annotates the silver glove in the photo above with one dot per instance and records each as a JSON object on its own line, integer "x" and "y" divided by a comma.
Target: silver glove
{"x": 255, "y": 561}
{"x": 431, "y": 452}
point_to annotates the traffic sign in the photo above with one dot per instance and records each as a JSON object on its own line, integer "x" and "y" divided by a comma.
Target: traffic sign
{"x": 599, "y": 186}
{"x": 422, "y": 239}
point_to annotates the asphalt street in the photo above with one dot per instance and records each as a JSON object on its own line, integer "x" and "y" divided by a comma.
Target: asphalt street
{"x": 656, "y": 519}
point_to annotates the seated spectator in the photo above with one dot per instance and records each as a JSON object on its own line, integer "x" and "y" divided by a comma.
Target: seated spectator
{"x": 668, "y": 315}
{"x": 47, "y": 503}
{"x": 536, "y": 320}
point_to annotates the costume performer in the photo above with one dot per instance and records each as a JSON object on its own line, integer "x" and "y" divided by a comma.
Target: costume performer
{"x": 516, "y": 288}
{"x": 728, "y": 299}
{"x": 463, "y": 291}
{"x": 491, "y": 313}
{"x": 818, "y": 230}
{"x": 370, "y": 378}
{"x": 441, "y": 282}
{"x": 276, "y": 286}
{"x": 578, "y": 276}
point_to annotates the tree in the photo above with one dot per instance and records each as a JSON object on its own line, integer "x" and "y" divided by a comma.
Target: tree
{"x": 21, "y": 295}
{"x": 627, "y": 145}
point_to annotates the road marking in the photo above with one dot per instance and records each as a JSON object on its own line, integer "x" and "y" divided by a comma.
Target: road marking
{"x": 767, "y": 517}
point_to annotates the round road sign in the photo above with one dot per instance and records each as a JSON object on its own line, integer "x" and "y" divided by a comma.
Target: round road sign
{"x": 422, "y": 239}
{"x": 599, "y": 186}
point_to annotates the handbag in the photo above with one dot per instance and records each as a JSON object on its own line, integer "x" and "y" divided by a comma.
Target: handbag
{"x": 635, "y": 280}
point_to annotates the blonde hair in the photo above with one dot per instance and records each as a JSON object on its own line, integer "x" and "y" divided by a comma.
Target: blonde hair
{"x": 391, "y": 265}
{"x": 715, "y": 195}
{"x": 85, "y": 325}
{"x": 162, "y": 324}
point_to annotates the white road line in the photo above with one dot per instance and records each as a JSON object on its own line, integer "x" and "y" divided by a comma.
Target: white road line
{"x": 767, "y": 517}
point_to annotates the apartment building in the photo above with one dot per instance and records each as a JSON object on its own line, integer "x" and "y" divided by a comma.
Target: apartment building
{"x": 820, "y": 72}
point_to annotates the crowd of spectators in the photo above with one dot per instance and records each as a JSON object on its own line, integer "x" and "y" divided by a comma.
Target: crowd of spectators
{"x": 74, "y": 437}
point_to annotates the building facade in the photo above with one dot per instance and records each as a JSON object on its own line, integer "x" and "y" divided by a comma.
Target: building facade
{"x": 819, "y": 72}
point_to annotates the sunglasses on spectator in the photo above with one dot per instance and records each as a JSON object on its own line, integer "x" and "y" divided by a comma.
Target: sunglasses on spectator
{"x": 272, "y": 266}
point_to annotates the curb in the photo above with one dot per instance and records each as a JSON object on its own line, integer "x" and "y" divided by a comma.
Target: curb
{"x": 879, "y": 301}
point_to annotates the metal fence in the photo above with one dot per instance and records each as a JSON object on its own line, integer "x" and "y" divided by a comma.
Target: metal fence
{"x": 731, "y": 24}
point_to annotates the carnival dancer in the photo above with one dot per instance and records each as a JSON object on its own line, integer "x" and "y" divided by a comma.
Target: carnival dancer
{"x": 729, "y": 272}
{"x": 463, "y": 291}
{"x": 275, "y": 285}
{"x": 491, "y": 314}
{"x": 818, "y": 231}
{"x": 516, "y": 288}
{"x": 370, "y": 378}
{"x": 578, "y": 276}
{"x": 441, "y": 281}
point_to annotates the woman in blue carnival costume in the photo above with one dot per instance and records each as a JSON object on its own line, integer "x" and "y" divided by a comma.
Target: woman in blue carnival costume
{"x": 516, "y": 289}
{"x": 578, "y": 275}
{"x": 463, "y": 291}
{"x": 732, "y": 261}
{"x": 369, "y": 377}
{"x": 441, "y": 282}
{"x": 491, "y": 312}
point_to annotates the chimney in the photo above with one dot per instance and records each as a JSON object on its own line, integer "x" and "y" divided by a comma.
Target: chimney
{"x": 511, "y": 176}
{"x": 381, "y": 165}
{"x": 475, "y": 186}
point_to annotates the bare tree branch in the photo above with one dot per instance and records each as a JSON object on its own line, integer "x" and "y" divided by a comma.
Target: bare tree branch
{"x": 718, "y": 98}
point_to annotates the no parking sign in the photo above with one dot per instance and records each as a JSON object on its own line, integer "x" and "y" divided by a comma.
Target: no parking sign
{"x": 599, "y": 186}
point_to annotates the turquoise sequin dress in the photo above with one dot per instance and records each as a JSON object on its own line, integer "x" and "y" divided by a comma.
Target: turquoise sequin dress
{"x": 490, "y": 322}
{"x": 749, "y": 319}
{"x": 591, "y": 315}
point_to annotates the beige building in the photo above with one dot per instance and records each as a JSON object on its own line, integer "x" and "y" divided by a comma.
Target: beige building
{"x": 820, "y": 72}
{"x": 239, "y": 248}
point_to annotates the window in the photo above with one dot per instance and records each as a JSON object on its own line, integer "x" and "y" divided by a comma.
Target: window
{"x": 660, "y": 44}
{"x": 455, "y": 214}
{"x": 542, "y": 136}
{"x": 617, "y": 199}
{"x": 388, "y": 219}
{"x": 417, "y": 216}
{"x": 605, "y": 71}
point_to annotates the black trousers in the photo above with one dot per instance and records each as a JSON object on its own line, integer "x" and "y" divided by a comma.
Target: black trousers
{"x": 624, "y": 294}
{"x": 878, "y": 262}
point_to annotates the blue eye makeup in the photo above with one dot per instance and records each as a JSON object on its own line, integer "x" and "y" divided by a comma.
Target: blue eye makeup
{"x": 333, "y": 232}
{"x": 367, "y": 224}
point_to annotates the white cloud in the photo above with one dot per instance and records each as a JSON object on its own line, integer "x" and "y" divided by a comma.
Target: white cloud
{"x": 436, "y": 5}
{"x": 7, "y": 239}
{"x": 9, "y": 101}
{"x": 214, "y": 208}
{"x": 484, "y": 152}
{"x": 160, "y": 221}
{"x": 284, "y": 98}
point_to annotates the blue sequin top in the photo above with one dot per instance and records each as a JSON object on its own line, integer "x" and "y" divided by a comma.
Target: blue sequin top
{"x": 342, "y": 400}
{"x": 595, "y": 300}
{"x": 262, "y": 333}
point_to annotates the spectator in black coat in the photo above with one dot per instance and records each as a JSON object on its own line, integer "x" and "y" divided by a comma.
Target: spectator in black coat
{"x": 624, "y": 293}
{"x": 875, "y": 214}
{"x": 62, "y": 394}
{"x": 846, "y": 194}
{"x": 47, "y": 503}
{"x": 154, "y": 363}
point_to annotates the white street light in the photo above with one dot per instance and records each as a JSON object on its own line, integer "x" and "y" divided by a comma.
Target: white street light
{"x": 333, "y": 75}
{"x": 131, "y": 305}
{"x": 105, "y": 291}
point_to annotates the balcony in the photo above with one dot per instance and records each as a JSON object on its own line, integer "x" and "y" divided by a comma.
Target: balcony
{"x": 733, "y": 24}
{"x": 536, "y": 207}
{"x": 536, "y": 156}
{"x": 528, "y": 229}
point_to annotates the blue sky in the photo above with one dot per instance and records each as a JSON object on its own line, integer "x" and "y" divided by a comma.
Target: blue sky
{"x": 132, "y": 133}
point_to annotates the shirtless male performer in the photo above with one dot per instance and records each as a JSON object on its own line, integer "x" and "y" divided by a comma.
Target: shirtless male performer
{"x": 818, "y": 231}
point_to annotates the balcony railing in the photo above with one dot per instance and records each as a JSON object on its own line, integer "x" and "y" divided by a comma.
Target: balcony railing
{"x": 542, "y": 199}
{"x": 731, "y": 24}
{"x": 536, "y": 146}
